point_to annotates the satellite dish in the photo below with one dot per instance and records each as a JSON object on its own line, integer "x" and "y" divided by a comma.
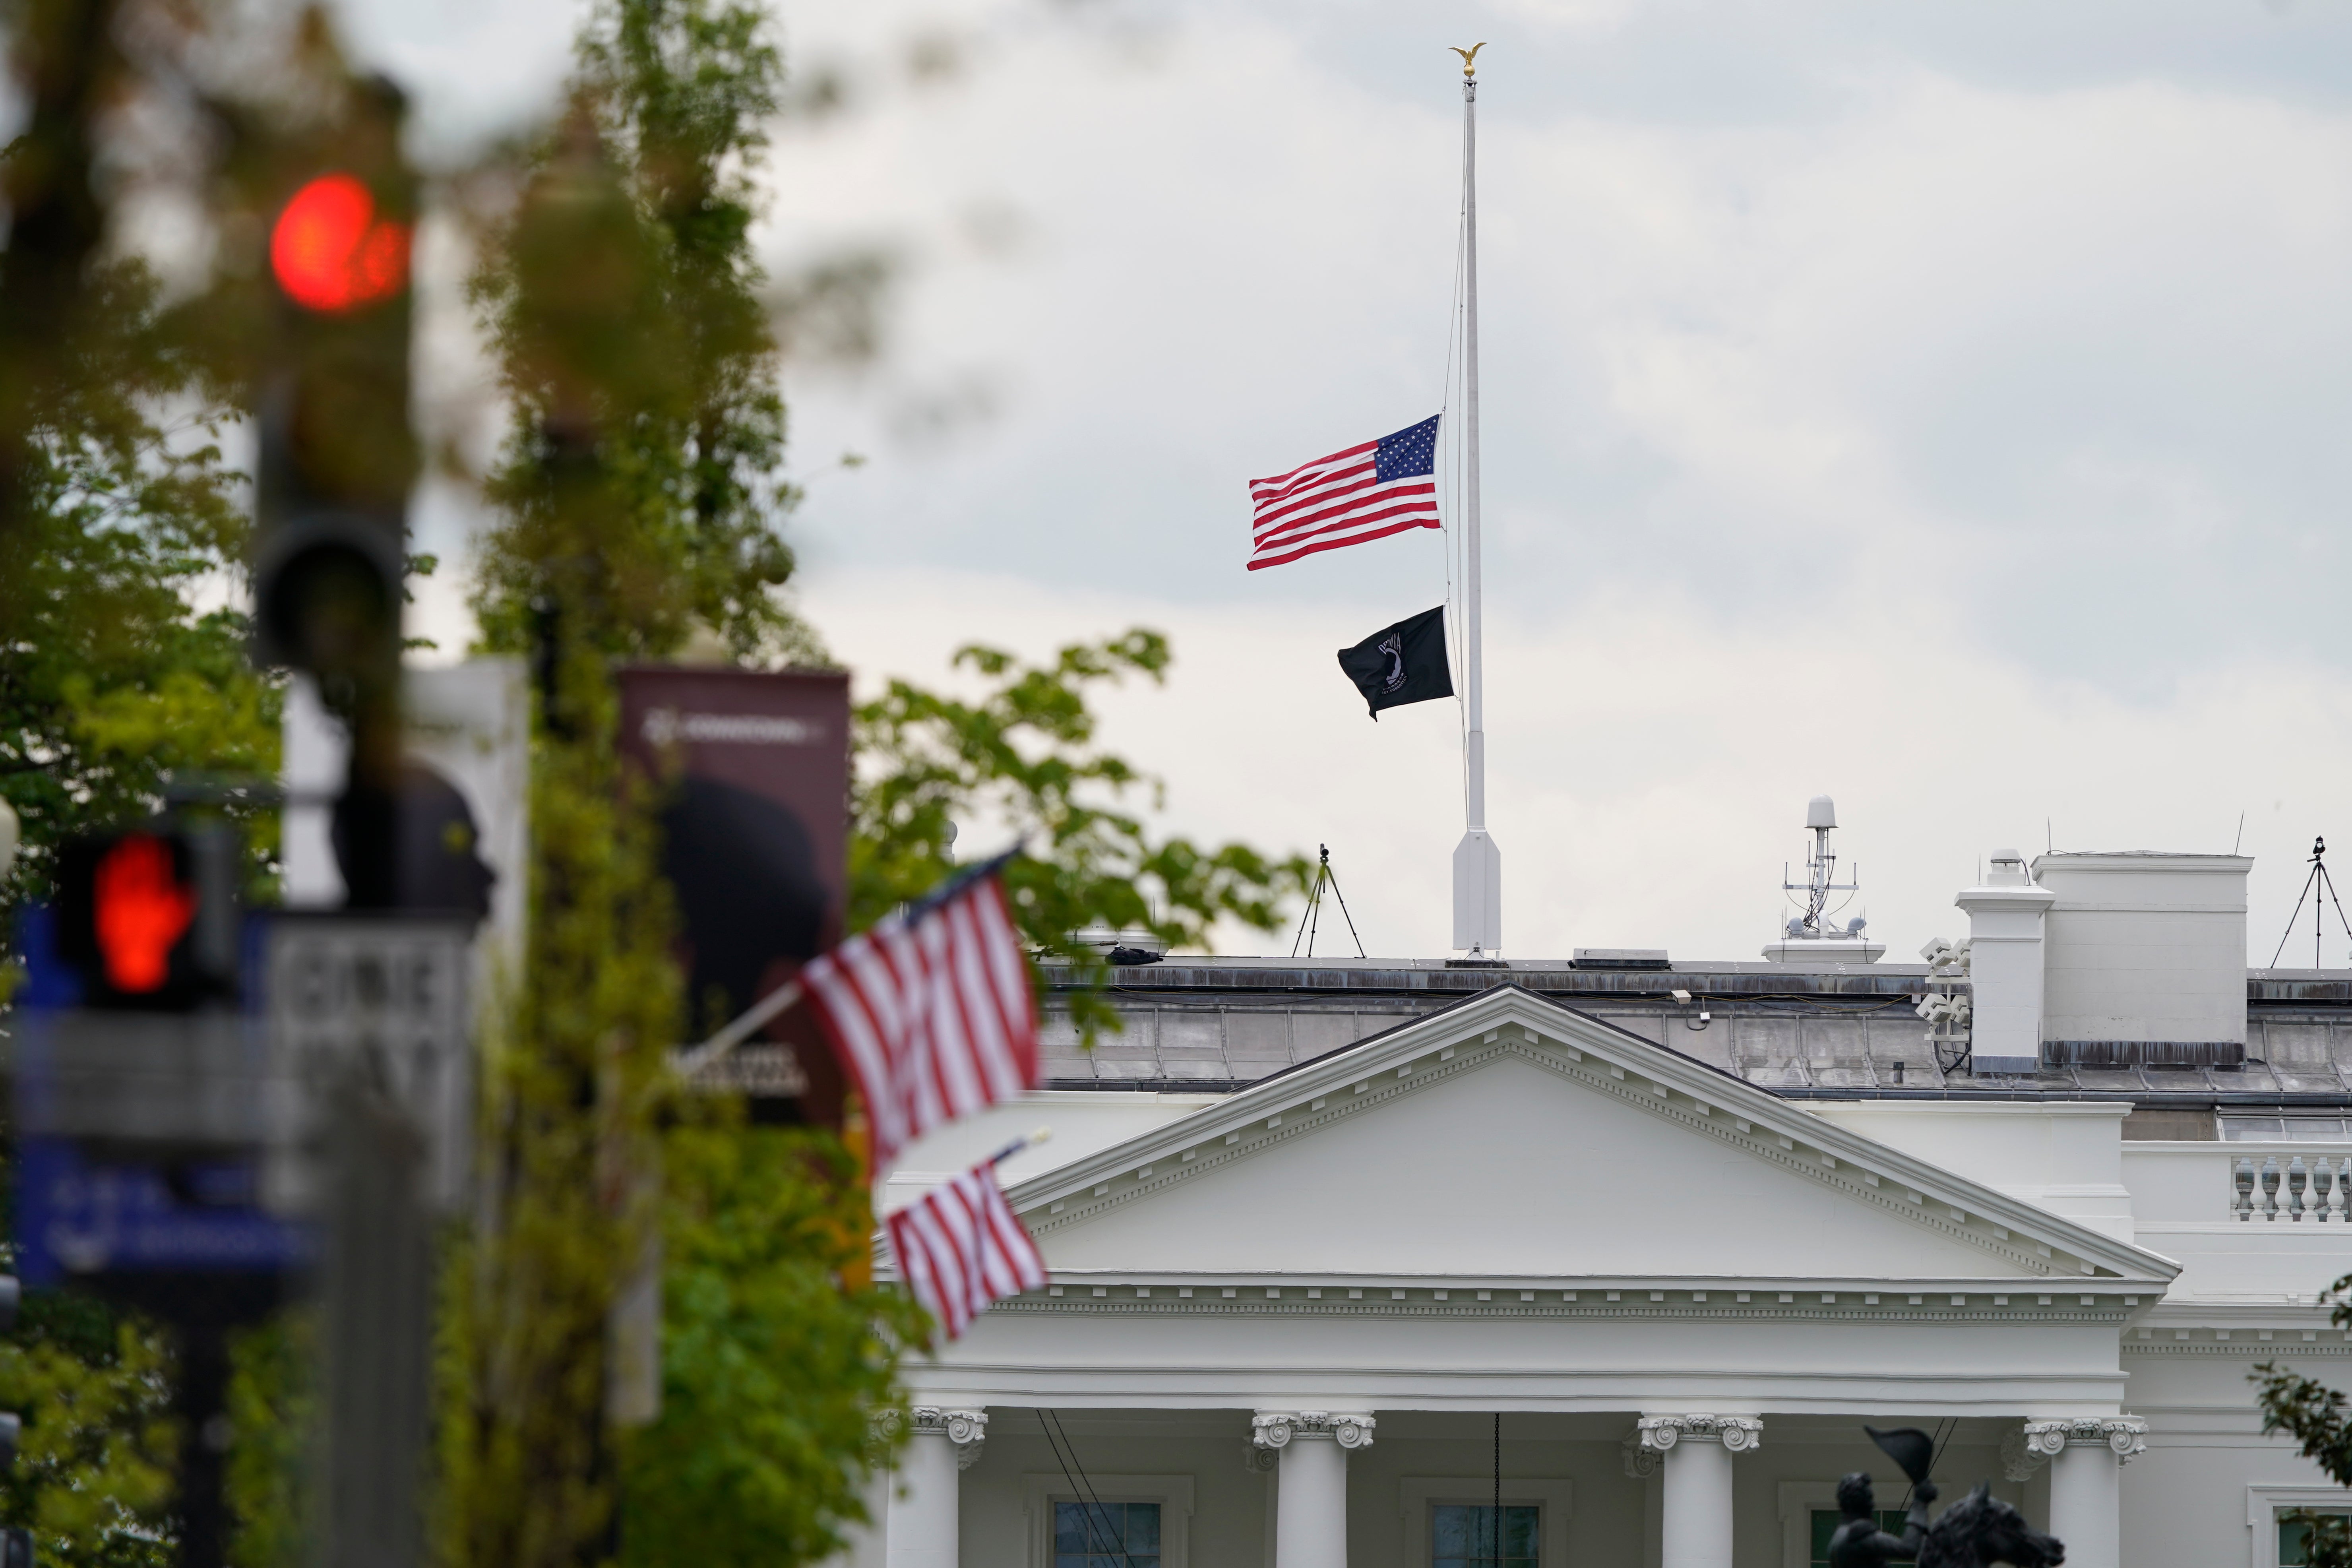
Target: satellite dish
{"x": 1853, "y": 927}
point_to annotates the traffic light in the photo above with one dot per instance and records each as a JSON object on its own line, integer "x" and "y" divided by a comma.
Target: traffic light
{"x": 148, "y": 919}
{"x": 338, "y": 456}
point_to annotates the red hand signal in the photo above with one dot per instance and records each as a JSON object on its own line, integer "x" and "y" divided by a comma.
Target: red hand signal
{"x": 330, "y": 252}
{"x": 142, "y": 911}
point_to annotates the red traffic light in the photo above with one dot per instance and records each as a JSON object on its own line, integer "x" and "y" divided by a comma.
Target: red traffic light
{"x": 139, "y": 909}
{"x": 330, "y": 252}
{"x": 147, "y": 920}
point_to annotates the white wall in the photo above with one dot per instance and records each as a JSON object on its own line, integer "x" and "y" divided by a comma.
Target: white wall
{"x": 2145, "y": 946}
{"x": 2064, "y": 1156}
{"x": 2181, "y": 1194}
{"x": 2185, "y": 1499}
{"x": 1084, "y": 1121}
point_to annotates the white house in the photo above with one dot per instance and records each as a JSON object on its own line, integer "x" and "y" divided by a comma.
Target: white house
{"x": 1344, "y": 1251}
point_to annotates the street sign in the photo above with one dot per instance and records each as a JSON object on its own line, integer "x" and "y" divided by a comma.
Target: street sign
{"x": 78, "y": 1218}
{"x": 149, "y": 1084}
{"x": 376, "y": 1004}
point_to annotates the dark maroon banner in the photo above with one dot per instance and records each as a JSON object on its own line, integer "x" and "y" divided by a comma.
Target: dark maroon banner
{"x": 754, "y": 771}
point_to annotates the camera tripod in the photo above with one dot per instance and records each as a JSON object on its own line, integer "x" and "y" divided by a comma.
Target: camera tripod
{"x": 2313, "y": 886}
{"x": 1311, "y": 917}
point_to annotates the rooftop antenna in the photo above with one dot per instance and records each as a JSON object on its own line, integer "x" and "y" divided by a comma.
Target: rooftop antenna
{"x": 2317, "y": 882}
{"x": 1821, "y": 870}
{"x": 1311, "y": 918}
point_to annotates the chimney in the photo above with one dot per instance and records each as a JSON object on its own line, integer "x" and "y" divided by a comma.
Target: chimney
{"x": 2146, "y": 958}
{"x": 2005, "y": 918}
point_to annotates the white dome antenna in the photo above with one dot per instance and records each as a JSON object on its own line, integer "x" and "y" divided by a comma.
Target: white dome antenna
{"x": 1812, "y": 936}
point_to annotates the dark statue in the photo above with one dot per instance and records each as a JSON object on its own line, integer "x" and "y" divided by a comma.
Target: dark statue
{"x": 1860, "y": 1543}
{"x": 1977, "y": 1532}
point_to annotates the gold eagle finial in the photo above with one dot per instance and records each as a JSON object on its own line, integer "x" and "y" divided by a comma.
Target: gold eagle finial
{"x": 1469, "y": 57}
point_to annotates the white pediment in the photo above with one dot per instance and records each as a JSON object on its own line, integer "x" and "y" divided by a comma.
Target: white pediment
{"x": 1512, "y": 1138}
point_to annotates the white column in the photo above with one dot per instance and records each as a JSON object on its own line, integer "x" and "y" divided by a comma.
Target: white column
{"x": 1310, "y": 1528}
{"x": 924, "y": 1515}
{"x": 1697, "y": 1450}
{"x": 2088, "y": 1454}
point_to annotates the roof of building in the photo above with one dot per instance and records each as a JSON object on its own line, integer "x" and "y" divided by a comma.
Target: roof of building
{"x": 1842, "y": 1031}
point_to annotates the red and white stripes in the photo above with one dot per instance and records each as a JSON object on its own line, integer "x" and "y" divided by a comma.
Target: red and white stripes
{"x": 960, "y": 1248}
{"x": 933, "y": 1013}
{"x": 1333, "y": 501}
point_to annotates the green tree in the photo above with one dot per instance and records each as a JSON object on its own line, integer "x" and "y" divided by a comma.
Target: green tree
{"x": 93, "y": 1476}
{"x": 111, "y": 683}
{"x": 637, "y": 500}
{"x": 771, "y": 1360}
{"x": 114, "y": 686}
{"x": 1021, "y": 758}
{"x": 652, "y": 335}
{"x": 640, "y": 499}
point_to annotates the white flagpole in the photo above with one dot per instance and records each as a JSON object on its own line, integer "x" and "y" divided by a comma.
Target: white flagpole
{"x": 1477, "y": 863}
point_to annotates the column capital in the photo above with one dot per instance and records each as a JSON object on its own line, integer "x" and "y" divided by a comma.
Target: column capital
{"x": 2036, "y": 1442}
{"x": 967, "y": 1429}
{"x": 1737, "y": 1433}
{"x": 1641, "y": 1461}
{"x": 1280, "y": 1428}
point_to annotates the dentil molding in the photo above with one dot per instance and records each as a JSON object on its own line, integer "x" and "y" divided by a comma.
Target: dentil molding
{"x": 1736, "y": 1433}
{"x": 1279, "y": 1429}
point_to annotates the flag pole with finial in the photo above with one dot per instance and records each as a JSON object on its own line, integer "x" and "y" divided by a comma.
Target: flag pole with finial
{"x": 1477, "y": 863}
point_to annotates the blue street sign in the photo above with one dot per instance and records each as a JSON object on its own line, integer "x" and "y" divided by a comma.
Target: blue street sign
{"x": 80, "y": 1216}
{"x": 77, "y": 1217}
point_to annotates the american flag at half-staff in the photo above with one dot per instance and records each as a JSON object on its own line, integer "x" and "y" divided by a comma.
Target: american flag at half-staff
{"x": 960, "y": 1247}
{"x": 1368, "y": 491}
{"x": 932, "y": 1011}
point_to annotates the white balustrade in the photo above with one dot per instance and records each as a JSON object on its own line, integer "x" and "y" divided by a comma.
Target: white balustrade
{"x": 2254, "y": 1190}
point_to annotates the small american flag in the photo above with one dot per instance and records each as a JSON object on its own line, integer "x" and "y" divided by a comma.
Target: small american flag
{"x": 961, "y": 1248}
{"x": 932, "y": 1011}
{"x": 1368, "y": 491}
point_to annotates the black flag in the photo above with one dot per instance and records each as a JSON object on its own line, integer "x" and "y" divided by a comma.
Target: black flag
{"x": 1907, "y": 1446}
{"x": 1404, "y": 663}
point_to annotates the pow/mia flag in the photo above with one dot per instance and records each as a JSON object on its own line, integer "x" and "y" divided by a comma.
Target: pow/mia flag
{"x": 1405, "y": 663}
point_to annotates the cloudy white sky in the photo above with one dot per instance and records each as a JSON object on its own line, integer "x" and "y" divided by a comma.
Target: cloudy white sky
{"x": 1941, "y": 407}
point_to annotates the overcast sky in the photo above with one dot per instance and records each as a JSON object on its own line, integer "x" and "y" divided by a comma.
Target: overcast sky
{"x": 1939, "y": 406}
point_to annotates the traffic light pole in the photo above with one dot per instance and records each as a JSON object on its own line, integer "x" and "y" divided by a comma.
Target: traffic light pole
{"x": 203, "y": 1398}
{"x": 378, "y": 1316}
{"x": 337, "y": 460}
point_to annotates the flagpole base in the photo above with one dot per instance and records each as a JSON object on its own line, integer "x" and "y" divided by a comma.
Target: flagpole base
{"x": 1478, "y": 895}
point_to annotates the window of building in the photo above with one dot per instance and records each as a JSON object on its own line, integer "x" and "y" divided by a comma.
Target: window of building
{"x": 2293, "y": 1542}
{"x": 1463, "y": 1535}
{"x": 1825, "y": 1523}
{"x": 2298, "y": 1129}
{"x": 1106, "y": 1535}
